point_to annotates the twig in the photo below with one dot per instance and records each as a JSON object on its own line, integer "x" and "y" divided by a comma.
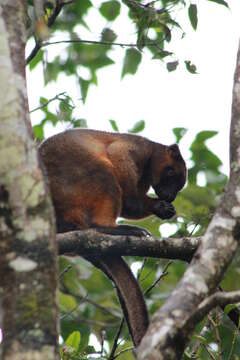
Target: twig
{"x": 215, "y": 325}
{"x": 142, "y": 267}
{"x": 147, "y": 275}
{"x": 65, "y": 271}
{"x": 233, "y": 314}
{"x": 88, "y": 300}
{"x": 102, "y": 324}
{"x": 97, "y": 42}
{"x": 218, "y": 298}
{"x": 34, "y": 52}
{"x": 115, "y": 342}
{"x": 218, "y": 338}
{"x": 57, "y": 97}
{"x": 233, "y": 342}
{"x": 198, "y": 343}
{"x": 102, "y": 338}
{"x": 59, "y": 5}
{"x": 209, "y": 352}
{"x": 123, "y": 351}
{"x": 72, "y": 311}
{"x": 164, "y": 273}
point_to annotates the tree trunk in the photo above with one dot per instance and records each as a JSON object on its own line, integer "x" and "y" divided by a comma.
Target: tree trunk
{"x": 28, "y": 268}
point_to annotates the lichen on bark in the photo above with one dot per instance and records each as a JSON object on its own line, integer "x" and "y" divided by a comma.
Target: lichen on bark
{"x": 28, "y": 254}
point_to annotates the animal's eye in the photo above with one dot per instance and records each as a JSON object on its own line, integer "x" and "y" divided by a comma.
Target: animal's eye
{"x": 170, "y": 171}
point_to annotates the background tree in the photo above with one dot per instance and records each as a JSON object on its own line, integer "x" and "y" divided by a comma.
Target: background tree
{"x": 87, "y": 300}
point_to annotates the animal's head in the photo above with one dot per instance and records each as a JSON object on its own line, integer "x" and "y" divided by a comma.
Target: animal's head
{"x": 169, "y": 172}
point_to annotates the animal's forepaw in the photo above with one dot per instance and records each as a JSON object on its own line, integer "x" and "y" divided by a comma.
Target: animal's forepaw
{"x": 164, "y": 210}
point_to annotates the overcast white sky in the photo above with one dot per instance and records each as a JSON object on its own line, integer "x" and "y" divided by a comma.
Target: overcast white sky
{"x": 164, "y": 100}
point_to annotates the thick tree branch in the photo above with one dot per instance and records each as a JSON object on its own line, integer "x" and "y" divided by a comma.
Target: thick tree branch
{"x": 171, "y": 327}
{"x": 90, "y": 242}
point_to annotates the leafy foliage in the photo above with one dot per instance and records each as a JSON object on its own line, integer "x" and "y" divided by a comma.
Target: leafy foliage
{"x": 154, "y": 23}
{"x": 63, "y": 113}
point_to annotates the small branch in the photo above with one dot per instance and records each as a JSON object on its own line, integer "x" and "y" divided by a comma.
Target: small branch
{"x": 123, "y": 351}
{"x": 209, "y": 352}
{"x": 97, "y": 42}
{"x": 233, "y": 342}
{"x": 90, "y": 242}
{"x": 79, "y": 320}
{"x": 86, "y": 299}
{"x": 219, "y": 298}
{"x": 34, "y": 52}
{"x": 164, "y": 273}
{"x": 57, "y": 97}
{"x": 218, "y": 337}
{"x": 115, "y": 342}
{"x": 215, "y": 325}
{"x": 65, "y": 271}
{"x": 59, "y": 5}
{"x": 73, "y": 310}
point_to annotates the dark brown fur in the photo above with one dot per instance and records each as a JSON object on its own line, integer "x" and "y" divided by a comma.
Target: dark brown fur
{"x": 96, "y": 177}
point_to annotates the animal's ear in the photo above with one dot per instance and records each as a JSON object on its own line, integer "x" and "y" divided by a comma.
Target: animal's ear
{"x": 174, "y": 151}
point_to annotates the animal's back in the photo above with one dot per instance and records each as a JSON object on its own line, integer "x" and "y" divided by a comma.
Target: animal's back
{"x": 82, "y": 178}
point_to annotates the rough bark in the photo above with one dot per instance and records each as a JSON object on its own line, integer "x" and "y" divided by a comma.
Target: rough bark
{"x": 89, "y": 242}
{"x": 173, "y": 324}
{"x": 27, "y": 242}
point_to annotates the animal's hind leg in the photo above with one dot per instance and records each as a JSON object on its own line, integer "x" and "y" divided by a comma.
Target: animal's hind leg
{"x": 107, "y": 208}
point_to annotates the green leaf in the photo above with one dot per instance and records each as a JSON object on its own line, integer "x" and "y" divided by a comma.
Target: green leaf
{"x": 201, "y": 339}
{"x": 203, "y": 159}
{"x": 37, "y": 59}
{"x": 171, "y": 66}
{"x": 168, "y": 34}
{"x": 162, "y": 54}
{"x": 187, "y": 355}
{"x": 190, "y": 67}
{"x": 82, "y": 123}
{"x": 38, "y": 131}
{"x": 131, "y": 62}
{"x": 114, "y": 125}
{"x": 108, "y": 35}
{"x": 179, "y": 133}
{"x": 84, "y": 85}
{"x": 43, "y": 100}
{"x": 221, "y": 2}
{"x": 193, "y": 15}
{"x": 139, "y": 126}
{"x": 89, "y": 349}
{"x": 229, "y": 307}
{"x": 67, "y": 302}
{"x": 110, "y": 9}
{"x": 205, "y": 135}
{"x": 74, "y": 340}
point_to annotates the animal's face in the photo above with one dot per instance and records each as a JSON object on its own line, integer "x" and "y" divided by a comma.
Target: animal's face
{"x": 168, "y": 173}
